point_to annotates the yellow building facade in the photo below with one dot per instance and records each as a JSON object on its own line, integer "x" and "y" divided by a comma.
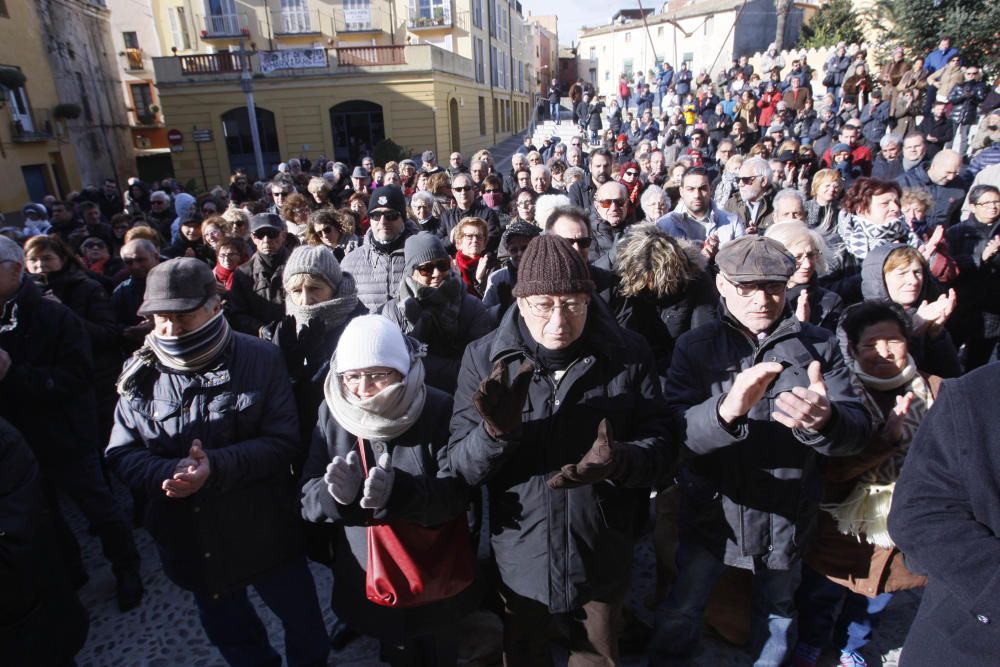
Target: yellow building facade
{"x": 35, "y": 156}
{"x": 334, "y": 79}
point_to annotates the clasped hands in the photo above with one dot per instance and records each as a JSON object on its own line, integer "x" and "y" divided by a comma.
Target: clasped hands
{"x": 805, "y": 408}
{"x": 345, "y": 479}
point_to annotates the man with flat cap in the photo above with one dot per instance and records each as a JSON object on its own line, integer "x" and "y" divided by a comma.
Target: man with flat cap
{"x": 758, "y": 396}
{"x": 206, "y": 426}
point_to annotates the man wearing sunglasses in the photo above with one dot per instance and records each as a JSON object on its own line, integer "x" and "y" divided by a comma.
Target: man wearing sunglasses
{"x": 752, "y": 202}
{"x": 759, "y": 397}
{"x": 377, "y": 265}
{"x": 258, "y": 294}
{"x": 613, "y": 217}
{"x": 279, "y": 188}
{"x": 468, "y": 205}
{"x": 558, "y": 412}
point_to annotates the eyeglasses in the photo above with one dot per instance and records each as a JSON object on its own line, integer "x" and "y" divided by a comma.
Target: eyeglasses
{"x": 993, "y": 202}
{"x": 527, "y": 203}
{"x": 384, "y": 215}
{"x": 95, "y": 245}
{"x": 607, "y": 203}
{"x": 262, "y": 234}
{"x": 463, "y": 188}
{"x": 229, "y": 255}
{"x": 768, "y": 288}
{"x": 276, "y": 195}
{"x": 747, "y": 180}
{"x": 582, "y": 242}
{"x": 544, "y": 308}
{"x": 803, "y": 256}
{"x": 428, "y": 269}
{"x": 486, "y": 192}
{"x": 326, "y": 231}
{"x": 472, "y": 237}
{"x": 354, "y": 378}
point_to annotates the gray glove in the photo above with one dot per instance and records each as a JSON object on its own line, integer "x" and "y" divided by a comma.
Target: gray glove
{"x": 343, "y": 478}
{"x": 378, "y": 485}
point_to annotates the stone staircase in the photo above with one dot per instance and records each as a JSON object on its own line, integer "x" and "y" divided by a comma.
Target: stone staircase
{"x": 564, "y": 130}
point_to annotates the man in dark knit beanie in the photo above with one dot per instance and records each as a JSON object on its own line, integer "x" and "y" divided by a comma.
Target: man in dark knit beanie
{"x": 559, "y": 412}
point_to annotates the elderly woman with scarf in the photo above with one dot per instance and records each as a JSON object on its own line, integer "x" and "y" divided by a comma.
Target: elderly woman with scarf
{"x": 900, "y": 274}
{"x": 853, "y": 560}
{"x": 433, "y": 307}
{"x": 320, "y": 300}
{"x": 379, "y": 458}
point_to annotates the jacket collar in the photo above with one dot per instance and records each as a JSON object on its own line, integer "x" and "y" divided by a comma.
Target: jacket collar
{"x": 600, "y": 329}
{"x": 788, "y": 326}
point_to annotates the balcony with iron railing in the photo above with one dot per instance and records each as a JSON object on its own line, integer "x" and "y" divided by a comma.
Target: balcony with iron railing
{"x": 345, "y": 60}
{"x": 289, "y": 22}
{"x": 222, "y": 26}
{"x": 424, "y": 15}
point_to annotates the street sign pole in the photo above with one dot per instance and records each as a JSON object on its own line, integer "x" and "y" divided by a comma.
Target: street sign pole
{"x": 201, "y": 162}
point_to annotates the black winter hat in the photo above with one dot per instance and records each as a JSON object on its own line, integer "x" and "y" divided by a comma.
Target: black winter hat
{"x": 388, "y": 196}
{"x": 550, "y": 265}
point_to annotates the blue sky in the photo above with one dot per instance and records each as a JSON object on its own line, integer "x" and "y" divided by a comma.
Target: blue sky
{"x": 583, "y": 12}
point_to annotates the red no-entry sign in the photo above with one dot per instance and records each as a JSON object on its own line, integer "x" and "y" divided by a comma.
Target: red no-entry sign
{"x": 175, "y": 137}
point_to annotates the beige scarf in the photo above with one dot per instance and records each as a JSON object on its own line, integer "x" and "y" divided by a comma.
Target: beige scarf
{"x": 386, "y": 415}
{"x": 865, "y": 512}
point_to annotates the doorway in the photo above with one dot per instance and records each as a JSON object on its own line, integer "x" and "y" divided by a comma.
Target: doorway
{"x": 358, "y": 127}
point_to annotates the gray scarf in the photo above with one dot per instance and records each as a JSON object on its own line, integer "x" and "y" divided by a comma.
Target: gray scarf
{"x": 440, "y": 306}
{"x": 330, "y": 313}
{"x": 388, "y": 414}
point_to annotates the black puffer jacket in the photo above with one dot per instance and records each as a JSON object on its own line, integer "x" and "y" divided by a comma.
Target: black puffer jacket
{"x": 564, "y": 548}
{"x": 244, "y": 520}
{"x": 424, "y": 491}
{"x": 48, "y": 392}
{"x": 977, "y": 315}
{"x": 753, "y": 490}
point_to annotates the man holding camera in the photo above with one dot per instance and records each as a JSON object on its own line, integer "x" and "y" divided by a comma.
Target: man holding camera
{"x": 758, "y": 396}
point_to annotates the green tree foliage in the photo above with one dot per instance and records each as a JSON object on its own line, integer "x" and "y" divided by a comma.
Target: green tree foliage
{"x": 835, "y": 21}
{"x": 388, "y": 150}
{"x": 918, "y": 25}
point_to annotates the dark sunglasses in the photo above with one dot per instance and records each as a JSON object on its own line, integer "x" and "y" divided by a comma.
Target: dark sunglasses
{"x": 607, "y": 203}
{"x": 384, "y": 215}
{"x": 428, "y": 269}
{"x": 747, "y": 180}
{"x": 631, "y": 172}
{"x": 262, "y": 234}
{"x": 93, "y": 246}
{"x": 486, "y": 192}
{"x": 583, "y": 242}
{"x": 993, "y": 128}
{"x": 463, "y": 188}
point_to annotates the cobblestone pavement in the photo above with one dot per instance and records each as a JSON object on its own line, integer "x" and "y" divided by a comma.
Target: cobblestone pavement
{"x": 165, "y": 631}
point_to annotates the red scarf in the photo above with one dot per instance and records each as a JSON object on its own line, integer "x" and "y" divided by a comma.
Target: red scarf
{"x": 467, "y": 267}
{"x": 224, "y": 275}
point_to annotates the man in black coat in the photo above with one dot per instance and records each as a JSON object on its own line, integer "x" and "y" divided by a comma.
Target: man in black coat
{"x": 759, "y": 397}
{"x": 945, "y": 517}
{"x": 206, "y": 426}
{"x": 46, "y": 392}
{"x": 581, "y": 193}
{"x": 941, "y": 181}
{"x": 258, "y": 294}
{"x": 532, "y": 395}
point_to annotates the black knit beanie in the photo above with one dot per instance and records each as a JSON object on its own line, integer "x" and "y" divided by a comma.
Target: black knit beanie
{"x": 550, "y": 265}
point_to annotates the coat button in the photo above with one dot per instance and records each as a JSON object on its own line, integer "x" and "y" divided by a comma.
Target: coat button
{"x": 982, "y": 618}
{"x": 197, "y": 509}
{"x": 208, "y": 554}
{"x": 770, "y": 547}
{"x": 557, "y": 402}
{"x": 378, "y": 447}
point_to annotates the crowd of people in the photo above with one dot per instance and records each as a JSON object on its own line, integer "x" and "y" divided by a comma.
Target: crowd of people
{"x": 725, "y": 325}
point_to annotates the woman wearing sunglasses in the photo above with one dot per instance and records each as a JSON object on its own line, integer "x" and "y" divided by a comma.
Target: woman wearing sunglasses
{"x": 375, "y": 463}
{"x": 433, "y": 306}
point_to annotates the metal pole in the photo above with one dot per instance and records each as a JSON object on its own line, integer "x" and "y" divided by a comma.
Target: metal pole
{"x": 246, "y": 83}
{"x": 201, "y": 162}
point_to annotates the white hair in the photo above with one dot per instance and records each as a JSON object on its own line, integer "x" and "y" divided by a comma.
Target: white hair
{"x": 159, "y": 195}
{"x": 545, "y": 204}
{"x": 760, "y": 167}
{"x": 422, "y": 196}
{"x": 889, "y": 140}
{"x": 789, "y": 193}
{"x": 652, "y": 195}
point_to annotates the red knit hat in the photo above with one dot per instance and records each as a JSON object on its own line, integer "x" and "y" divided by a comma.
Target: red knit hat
{"x": 550, "y": 265}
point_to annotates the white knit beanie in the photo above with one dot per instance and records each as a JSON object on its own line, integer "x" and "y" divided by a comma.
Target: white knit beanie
{"x": 371, "y": 341}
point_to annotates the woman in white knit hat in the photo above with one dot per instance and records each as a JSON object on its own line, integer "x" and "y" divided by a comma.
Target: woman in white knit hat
{"x": 379, "y": 458}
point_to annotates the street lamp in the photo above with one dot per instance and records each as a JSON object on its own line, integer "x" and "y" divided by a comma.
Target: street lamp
{"x": 246, "y": 83}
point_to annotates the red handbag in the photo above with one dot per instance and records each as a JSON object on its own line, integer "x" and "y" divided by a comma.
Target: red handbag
{"x": 410, "y": 565}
